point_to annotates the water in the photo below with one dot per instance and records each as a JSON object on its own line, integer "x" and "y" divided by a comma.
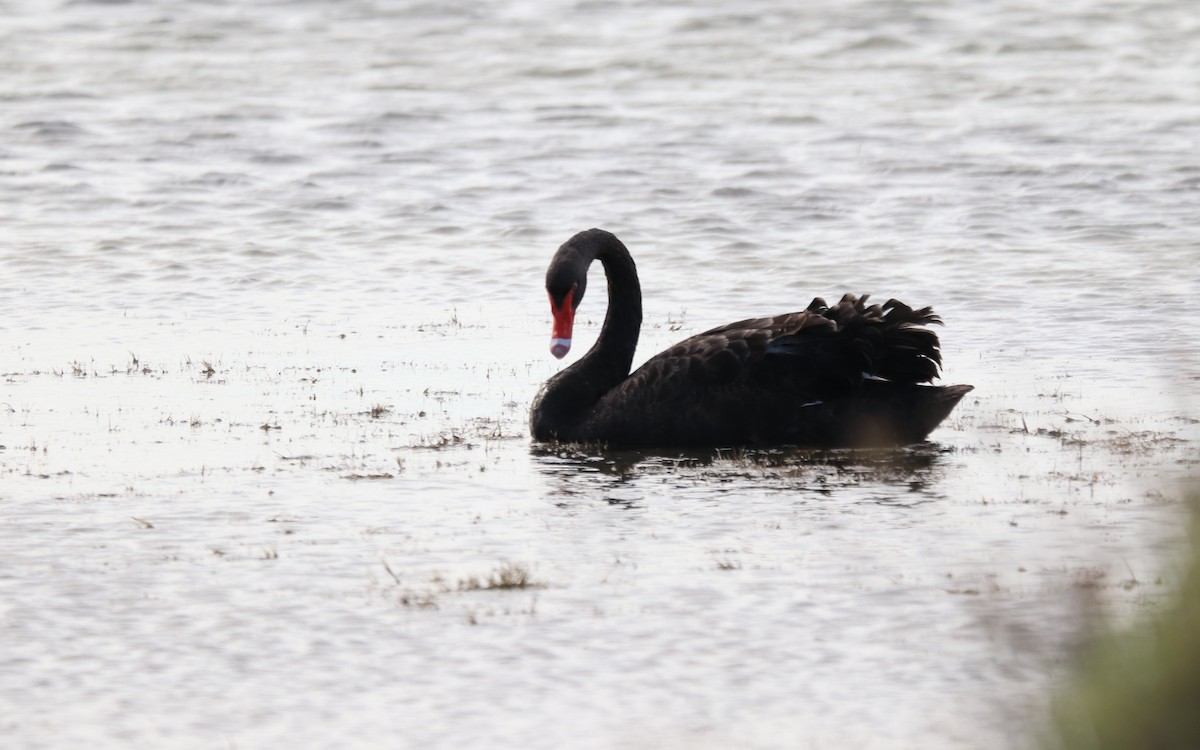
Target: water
{"x": 344, "y": 211}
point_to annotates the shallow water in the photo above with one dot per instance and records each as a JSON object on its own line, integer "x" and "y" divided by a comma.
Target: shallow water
{"x": 273, "y": 321}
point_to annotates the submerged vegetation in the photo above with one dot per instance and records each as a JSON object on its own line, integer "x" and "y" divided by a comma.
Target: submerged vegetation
{"x": 1140, "y": 688}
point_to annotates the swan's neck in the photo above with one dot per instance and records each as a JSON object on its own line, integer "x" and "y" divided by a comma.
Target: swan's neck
{"x": 567, "y": 398}
{"x": 613, "y": 351}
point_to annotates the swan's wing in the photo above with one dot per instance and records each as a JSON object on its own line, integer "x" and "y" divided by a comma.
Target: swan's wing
{"x": 739, "y": 354}
{"x": 794, "y": 377}
{"x": 816, "y": 350}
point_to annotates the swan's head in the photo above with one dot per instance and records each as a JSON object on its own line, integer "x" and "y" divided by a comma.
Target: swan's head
{"x": 566, "y": 281}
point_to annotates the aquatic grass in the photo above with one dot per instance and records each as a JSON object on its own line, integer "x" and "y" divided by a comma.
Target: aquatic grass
{"x": 1139, "y": 688}
{"x": 508, "y": 576}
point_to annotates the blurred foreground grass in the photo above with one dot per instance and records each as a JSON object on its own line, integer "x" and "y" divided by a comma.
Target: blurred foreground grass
{"x": 1139, "y": 689}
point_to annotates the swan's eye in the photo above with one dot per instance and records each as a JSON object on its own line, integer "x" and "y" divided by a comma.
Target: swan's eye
{"x": 567, "y": 303}
{"x": 568, "y": 298}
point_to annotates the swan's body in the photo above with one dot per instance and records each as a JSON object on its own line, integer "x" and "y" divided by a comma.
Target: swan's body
{"x": 846, "y": 375}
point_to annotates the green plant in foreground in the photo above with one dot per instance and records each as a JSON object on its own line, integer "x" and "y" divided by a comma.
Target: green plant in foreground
{"x": 1140, "y": 689}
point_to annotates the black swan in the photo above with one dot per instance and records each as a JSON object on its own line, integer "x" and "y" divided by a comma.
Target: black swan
{"x": 842, "y": 376}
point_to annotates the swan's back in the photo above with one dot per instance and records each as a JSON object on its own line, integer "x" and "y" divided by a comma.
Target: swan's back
{"x": 850, "y": 374}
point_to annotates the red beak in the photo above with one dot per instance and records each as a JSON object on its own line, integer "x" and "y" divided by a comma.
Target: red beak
{"x": 564, "y": 321}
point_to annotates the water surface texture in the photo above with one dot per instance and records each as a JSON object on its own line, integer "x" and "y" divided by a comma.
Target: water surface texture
{"x": 272, "y": 321}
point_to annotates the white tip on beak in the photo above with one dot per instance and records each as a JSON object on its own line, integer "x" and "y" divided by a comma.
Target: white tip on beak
{"x": 560, "y": 347}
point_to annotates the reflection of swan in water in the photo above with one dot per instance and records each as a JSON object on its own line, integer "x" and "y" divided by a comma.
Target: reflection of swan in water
{"x": 847, "y": 375}
{"x": 900, "y": 477}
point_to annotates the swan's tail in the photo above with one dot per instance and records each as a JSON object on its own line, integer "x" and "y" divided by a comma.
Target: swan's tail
{"x": 890, "y": 341}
